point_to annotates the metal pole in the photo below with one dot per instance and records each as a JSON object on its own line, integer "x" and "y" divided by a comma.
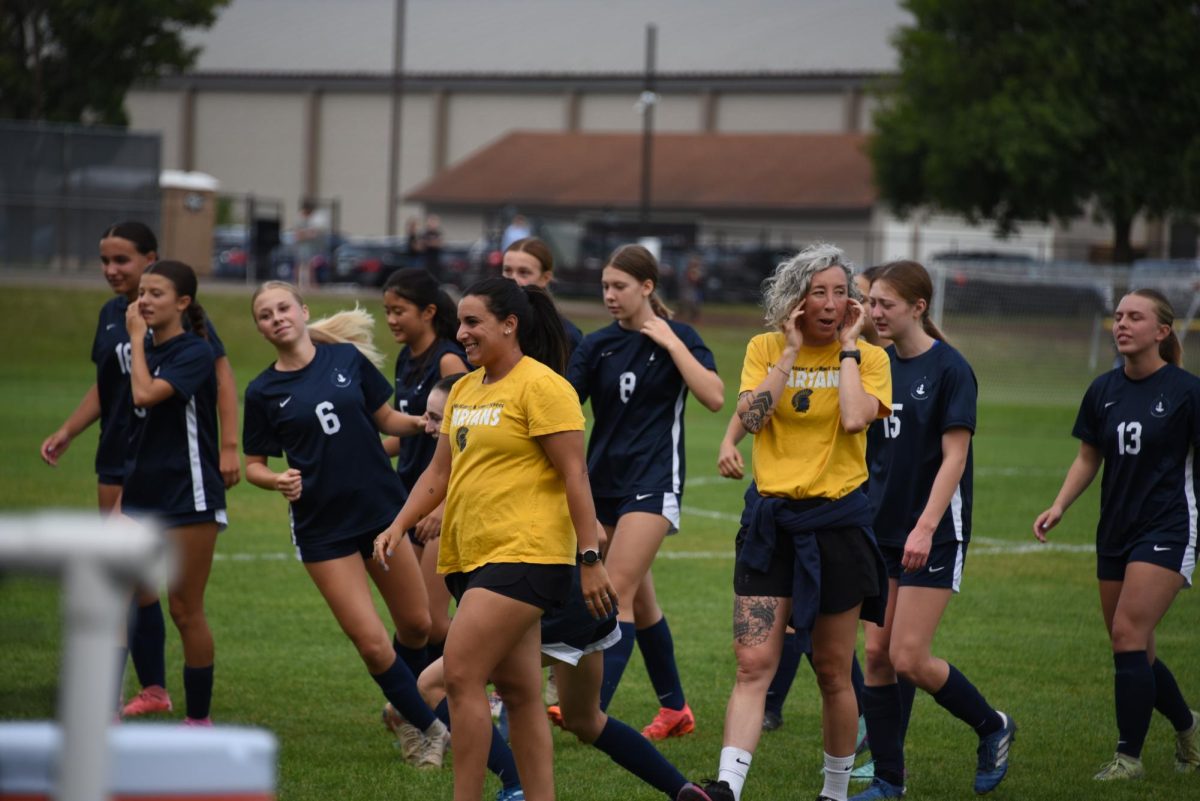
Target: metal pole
{"x": 397, "y": 116}
{"x": 100, "y": 560}
{"x": 95, "y": 610}
{"x": 647, "y": 102}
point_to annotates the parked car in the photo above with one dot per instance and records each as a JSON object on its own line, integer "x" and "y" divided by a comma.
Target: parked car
{"x": 368, "y": 262}
{"x": 231, "y": 252}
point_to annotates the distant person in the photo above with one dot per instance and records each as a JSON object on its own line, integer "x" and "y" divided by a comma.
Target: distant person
{"x": 517, "y": 229}
{"x": 530, "y": 261}
{"x": 691, "y": 295}
{"x": 1141, "y": 422}
{"x": 414, "y": 247}
{"x": 312, "y": 231}
{"x": 126, "y": 250}
{"x": 432, "y": 243}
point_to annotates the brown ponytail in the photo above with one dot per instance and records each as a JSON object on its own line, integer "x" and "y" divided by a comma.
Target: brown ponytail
{"x": 641, "y": 265}
{"x": 1170, "y": 349}
{"x": 911, "y": 282}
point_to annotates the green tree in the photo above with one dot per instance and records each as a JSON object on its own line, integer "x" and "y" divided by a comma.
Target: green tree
{"x": 1044, "y": 109}
{"x": 74, "y": 60}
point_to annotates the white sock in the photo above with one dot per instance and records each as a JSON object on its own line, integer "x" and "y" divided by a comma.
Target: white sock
{"x": 837, "y": 776}
{"x": 735, "y": 764}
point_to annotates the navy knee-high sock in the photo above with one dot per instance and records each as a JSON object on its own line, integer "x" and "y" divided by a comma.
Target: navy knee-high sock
{"x": 615, "y": 660}
{"x": 1168, "y": 699}
{"x": 658, "y": 652}
{"x": 785, "y": 674}
{"x": 634, "y": 752}
{"x": 882, "y": 707}
{"x": 435, "y": 650}
{"x": 400, "y": 688}
{"x": 417, "y": 659}
{"x": 197, "y": 690}
{"x": 858, "y": 682}
{"x": 1134, "y": 687}
{"x": 500, "y": 759}
{"x": 960, "y": 698}
{"x": 147, "y": 643}
{"x": 908, "y": 693}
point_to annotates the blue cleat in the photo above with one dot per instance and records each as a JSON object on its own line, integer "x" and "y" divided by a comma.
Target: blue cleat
{"x": 879, "y": 789}
{"x": 511, "y": 794}
{"x": 993, "y": 756}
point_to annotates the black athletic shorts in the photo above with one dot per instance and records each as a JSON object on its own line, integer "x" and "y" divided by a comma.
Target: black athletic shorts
{"x": 544, "y": 586}
{"x": 848, "y": 573}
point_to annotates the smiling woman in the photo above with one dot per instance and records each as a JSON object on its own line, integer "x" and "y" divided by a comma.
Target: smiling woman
{"x": 322, "y": 404}
{"x": 509, "y": 463}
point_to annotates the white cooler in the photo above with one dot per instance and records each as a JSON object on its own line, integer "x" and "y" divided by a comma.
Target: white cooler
{"x": 147, "y": 762}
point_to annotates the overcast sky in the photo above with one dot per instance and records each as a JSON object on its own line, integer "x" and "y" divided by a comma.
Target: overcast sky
{"x": 554, "y": 35}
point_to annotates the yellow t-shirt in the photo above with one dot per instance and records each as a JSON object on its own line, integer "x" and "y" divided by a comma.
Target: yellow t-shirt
{"x": 506, "y": 502}
{"x": 803, "y": 451}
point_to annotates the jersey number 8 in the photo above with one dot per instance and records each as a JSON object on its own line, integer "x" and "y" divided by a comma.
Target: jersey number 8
{"x": 627, "y": 382}
{"x": 330, "y": 423}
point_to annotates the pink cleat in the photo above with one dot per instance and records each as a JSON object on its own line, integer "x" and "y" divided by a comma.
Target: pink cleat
{"x": 149, "y": 701}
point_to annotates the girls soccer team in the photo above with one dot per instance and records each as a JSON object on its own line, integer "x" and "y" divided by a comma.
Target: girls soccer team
{"x": 830, "y": 533}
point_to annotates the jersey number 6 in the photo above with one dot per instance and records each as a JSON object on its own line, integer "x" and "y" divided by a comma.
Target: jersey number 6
{"x": 330, "y": 423}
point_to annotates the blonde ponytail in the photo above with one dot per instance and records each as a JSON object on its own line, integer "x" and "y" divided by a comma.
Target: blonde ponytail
{"x": 355, "y": 326}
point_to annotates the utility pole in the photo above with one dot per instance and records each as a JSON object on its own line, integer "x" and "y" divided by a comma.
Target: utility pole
{"x": 393, "y": 159}
{"x": 646, "y": 103}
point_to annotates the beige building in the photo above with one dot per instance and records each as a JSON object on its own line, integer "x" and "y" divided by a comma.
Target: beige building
{"x": 367, "y": 101}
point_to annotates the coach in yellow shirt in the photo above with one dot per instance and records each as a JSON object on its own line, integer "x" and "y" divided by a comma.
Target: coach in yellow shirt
{"x": 809, "y": 391}
{"x": 519, "y": 514}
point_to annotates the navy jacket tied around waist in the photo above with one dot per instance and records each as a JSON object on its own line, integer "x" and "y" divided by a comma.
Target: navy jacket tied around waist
{"x": 765, "y": 519}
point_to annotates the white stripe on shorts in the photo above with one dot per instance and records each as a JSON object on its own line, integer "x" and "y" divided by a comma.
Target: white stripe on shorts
{"x": 193, "y": 440}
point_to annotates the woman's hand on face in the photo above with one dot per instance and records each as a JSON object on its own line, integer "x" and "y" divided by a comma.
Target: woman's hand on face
{"x": 852, "y": 326}
{"x": 791, "y": 327}
{"x": 135, "y": 324}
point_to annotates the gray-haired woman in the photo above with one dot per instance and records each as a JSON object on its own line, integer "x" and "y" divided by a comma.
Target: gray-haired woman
{"x": 809, "y": 390}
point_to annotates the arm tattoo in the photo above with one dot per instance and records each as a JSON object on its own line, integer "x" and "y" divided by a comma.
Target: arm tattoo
{"x": 755, "y": 417}
{"x": 753, "y": 619}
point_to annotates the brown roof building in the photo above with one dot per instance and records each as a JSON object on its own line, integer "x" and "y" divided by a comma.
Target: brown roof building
{"x": 723, "y": 174}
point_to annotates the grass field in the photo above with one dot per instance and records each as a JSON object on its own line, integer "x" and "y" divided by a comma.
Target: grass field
{"x": 1026, "y": 627}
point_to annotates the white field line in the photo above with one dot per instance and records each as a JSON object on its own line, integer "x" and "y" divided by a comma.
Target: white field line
{"x": 980, "y": 546}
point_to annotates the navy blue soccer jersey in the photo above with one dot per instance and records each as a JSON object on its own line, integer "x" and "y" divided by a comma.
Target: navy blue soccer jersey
{"x": 1148, "y": 431}
{"x": 931, "y": 394}
{"x": 172, "y": 460}
{"x": 321, "y": 417}
{"x": 574, "y": 335}
{"x": 111, "y": 355}
{"x": 414, "y": 379}
{"x": 638, "y": 397}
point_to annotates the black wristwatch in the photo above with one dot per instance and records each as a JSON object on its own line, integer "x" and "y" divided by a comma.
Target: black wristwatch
{"x": 855, "y": 354}
{"x": 590, "y": 556}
